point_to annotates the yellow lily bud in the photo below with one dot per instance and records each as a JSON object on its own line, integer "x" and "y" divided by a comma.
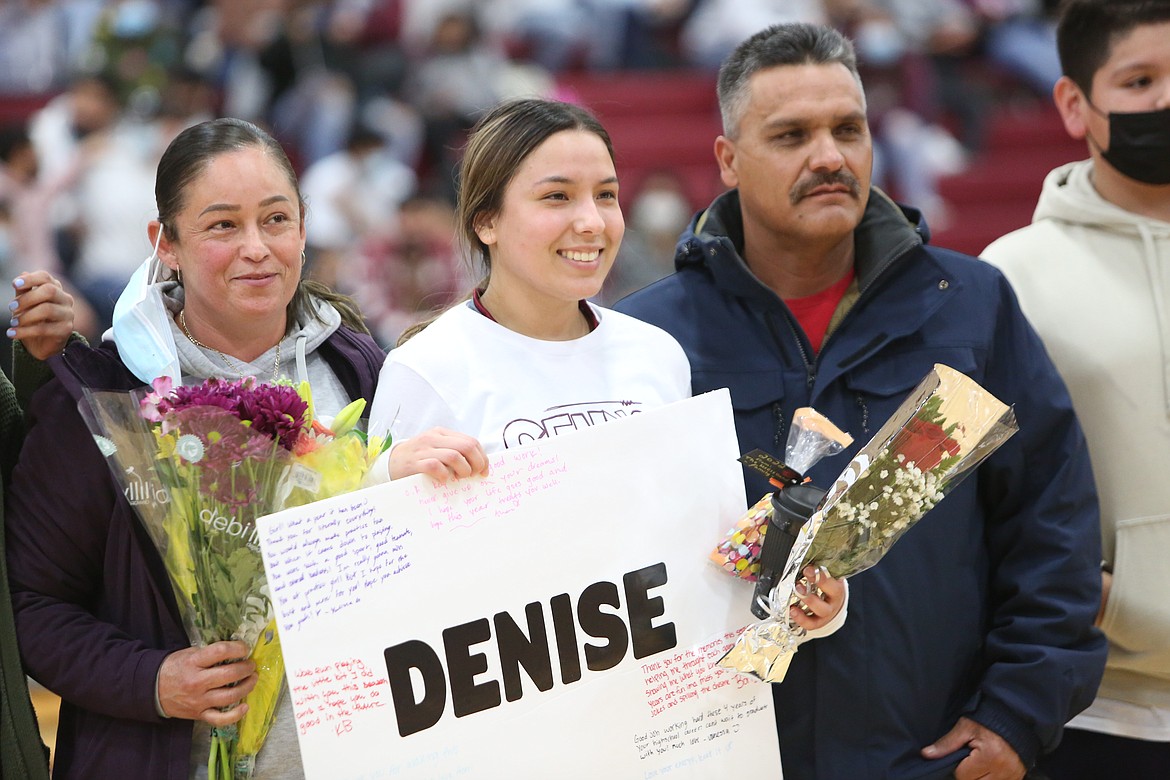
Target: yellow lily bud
{"x": 375, "y": 446}
{"x": 347, "y": 418}
{"x": 264, "y": 697}
{"x": 306, "y": 394}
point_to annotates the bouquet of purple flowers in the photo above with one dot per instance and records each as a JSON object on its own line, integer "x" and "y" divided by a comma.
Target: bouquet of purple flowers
{"x": 200, "y": 464}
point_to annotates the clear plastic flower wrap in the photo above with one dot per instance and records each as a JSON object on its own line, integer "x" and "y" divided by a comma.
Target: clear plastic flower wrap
{"x": 811, "y": 437}
{"x": 200, "y": 464}
{"x": 943, "y": 430}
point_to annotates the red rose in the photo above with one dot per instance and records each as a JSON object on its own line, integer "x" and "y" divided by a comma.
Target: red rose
{"x": 924, "y": 444}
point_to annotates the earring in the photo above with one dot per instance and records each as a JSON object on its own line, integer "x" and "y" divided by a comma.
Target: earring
{"x": 303, "y": 258}
{"x": 179, "y": 275}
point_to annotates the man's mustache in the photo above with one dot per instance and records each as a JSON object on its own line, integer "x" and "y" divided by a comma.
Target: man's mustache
{"x": 841, "y": 177}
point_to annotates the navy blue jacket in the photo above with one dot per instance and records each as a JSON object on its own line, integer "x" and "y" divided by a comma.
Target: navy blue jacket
{"x": 95, "y": 613}
{"x": 984, "y": 608}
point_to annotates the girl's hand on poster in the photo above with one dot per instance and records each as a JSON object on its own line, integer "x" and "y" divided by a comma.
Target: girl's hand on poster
{"x": 441, "y": 454}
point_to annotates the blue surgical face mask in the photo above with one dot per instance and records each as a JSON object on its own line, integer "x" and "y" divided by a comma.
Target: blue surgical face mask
{"x": 142, "y": 324}
{"x": 879, "y": 43}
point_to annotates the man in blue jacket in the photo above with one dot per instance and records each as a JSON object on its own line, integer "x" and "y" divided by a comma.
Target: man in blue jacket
{"x": 972, "y": 642}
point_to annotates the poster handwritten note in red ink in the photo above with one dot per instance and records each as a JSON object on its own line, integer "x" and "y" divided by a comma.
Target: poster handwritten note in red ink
{"x": 558, "y": 618}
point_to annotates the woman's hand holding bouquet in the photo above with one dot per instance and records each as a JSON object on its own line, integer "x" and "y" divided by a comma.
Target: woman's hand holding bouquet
{"x": 207, "y": 683}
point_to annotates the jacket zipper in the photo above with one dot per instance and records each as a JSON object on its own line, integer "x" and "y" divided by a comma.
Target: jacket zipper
{"x": 779, "y": 421}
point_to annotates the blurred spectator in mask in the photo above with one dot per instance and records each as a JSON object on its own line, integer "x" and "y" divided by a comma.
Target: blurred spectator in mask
{"x": 941, "y": 37}
{"x": 655, "y": 218}
{"x": 33, "y": 56}
{"x": 410, "y": 273}
{"x": 597, "y": 35}
{"x": 459, "y": 76}
{"x": 186, "y": 99}
{"x": 137, "y": 43}
{"x": 89, "y": 106}
{"x": 26, "y": 235}
{"x": 1020, "y": 37}
{"x": 100, "y": 221}
{"x": 26, "y": 197}
{"x": 350, "y": 194}
{"x": 715, "y": 27}
{"x": 284, "y": 64}
{"x": 313, "y": 102}
{"x": 912, "y": 151}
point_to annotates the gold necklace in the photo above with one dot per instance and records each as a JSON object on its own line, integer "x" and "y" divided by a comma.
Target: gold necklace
{"x": 227, "y": 361}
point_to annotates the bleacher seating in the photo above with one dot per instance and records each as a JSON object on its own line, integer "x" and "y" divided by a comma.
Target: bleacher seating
{"x": 998, "y": 191}
{"x": 16, "y": 109}
{"x": 669, "y": 120}
{"x": 657, "y": 120}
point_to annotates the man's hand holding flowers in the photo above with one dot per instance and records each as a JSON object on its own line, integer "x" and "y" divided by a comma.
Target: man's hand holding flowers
{"x": 943, "y": 430}
{"x": 820, "y": 599}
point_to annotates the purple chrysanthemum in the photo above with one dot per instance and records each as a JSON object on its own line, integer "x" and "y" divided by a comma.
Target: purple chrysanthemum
{"x": 233, "y": 452}
{"x": 276, "y": 410}
{"x": 213, "y": 392}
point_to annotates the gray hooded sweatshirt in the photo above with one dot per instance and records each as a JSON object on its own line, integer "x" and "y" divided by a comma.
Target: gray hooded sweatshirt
{"x": 1094, "y": 280}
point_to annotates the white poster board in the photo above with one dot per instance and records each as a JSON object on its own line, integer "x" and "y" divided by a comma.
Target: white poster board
{"x": 559, "y": 618}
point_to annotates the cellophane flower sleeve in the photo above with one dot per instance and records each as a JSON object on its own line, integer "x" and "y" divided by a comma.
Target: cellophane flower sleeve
{"x": 943, "y": 430}
{"x": 811, "y": 437}
{"x": 198, "y": 478}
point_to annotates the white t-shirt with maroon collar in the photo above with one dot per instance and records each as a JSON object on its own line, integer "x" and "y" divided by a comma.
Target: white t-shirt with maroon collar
{"x": 470, "y": 374}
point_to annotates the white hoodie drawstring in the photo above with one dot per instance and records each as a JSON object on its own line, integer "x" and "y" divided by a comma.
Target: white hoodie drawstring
{"x": 1154, "y": 271}
{"x": 302, "y": 366}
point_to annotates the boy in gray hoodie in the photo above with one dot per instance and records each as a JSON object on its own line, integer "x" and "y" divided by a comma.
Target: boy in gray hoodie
{"x": 1092, "y": 273}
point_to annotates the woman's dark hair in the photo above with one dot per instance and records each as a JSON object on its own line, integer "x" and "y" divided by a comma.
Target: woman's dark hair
{"x": 189, "y": 154}
{"x": 498, "y": 144}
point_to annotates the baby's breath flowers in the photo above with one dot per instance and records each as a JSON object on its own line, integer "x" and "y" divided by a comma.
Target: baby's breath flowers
{"x": 946, "y": 428}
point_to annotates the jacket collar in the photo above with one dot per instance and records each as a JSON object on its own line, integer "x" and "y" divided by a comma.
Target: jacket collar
{"x": 82, "y": 367}
{"x": 889, "y": 240}
{"x": 887, "y": 231}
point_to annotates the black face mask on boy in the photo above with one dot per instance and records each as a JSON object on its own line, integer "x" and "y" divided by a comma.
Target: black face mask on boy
{"x": 1139, "y": 144}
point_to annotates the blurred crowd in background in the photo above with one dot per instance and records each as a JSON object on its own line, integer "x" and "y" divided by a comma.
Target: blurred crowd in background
{"x": 372, "y": 99}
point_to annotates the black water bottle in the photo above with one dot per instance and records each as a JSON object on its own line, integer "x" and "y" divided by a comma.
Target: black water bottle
{"x": 791, "y": 509}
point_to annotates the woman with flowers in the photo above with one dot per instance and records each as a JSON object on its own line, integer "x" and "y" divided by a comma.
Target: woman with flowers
{"x": 96, "y": 616}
